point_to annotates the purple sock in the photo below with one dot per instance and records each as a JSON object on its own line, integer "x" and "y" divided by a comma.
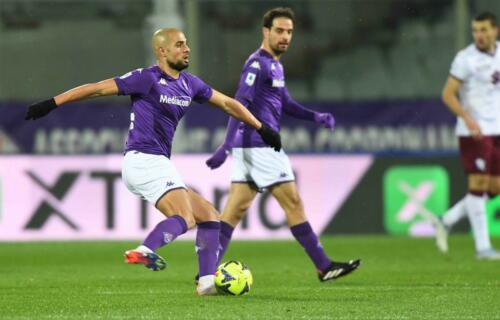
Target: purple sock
{"x": 207, "y": 247}
{"x": 226, "y": 232}
{"x": 165, "y": 232}
{"x": 305, "y": 235}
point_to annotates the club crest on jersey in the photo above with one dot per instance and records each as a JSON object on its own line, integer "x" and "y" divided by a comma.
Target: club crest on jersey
{"x": 181, "y": 101}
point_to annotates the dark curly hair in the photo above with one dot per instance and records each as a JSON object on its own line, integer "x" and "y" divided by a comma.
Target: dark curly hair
{"x": 267, "y": 21}
{"x": 487, "y": 16}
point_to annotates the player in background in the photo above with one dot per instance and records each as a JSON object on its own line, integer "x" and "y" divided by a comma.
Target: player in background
{"x": 472, "y": 93}
{"x": 161, "y": 94}
{"x": 255, "y": 166}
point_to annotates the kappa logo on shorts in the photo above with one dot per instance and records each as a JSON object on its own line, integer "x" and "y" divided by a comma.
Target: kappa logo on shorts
{"x": 480, "y": 164}
{"x": 170, "y": 184}
{"x": 283, "y": 175}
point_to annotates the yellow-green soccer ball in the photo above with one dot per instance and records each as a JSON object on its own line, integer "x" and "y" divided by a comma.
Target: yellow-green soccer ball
{"x": 234, "y": 278}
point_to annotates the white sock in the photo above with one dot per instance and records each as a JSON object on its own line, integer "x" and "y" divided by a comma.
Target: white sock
{"x": 476, "y": 210}
{"x": 455, "y": 213}
{"x": 143, "y": 248}
{"x": 206, "y": 281}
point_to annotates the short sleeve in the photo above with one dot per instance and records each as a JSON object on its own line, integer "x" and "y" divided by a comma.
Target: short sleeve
{"x": 459, "y": 69}
{"x": 202, "y": 92}
{"x": 138, "y": 81}
{"x": 248, "y": 82}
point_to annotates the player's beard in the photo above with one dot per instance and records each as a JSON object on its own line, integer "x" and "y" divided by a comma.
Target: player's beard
{"x": 276, "y": 50}
{"x": 179, "y": 66}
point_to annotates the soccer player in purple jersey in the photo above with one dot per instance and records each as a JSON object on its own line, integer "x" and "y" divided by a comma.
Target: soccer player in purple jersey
{"x": 255, "y": 166}
{"x": 161, "y": 95}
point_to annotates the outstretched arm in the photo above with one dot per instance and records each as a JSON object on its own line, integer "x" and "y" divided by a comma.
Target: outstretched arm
{"x": 296, "y": 110}
{"x": 234, "y": 109}
{"x": 86, "y": 91}
{"x": 238, "y": 111}
{"x": 99, "y": 89}
{"x": 221, "y": 153}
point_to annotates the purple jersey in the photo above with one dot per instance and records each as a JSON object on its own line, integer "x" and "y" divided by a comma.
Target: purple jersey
{"x": 262, "y": 90}
{"x": 158, "y": 104}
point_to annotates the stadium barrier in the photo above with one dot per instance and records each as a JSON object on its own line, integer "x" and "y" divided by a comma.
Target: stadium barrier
{"x": 82, "y": 197}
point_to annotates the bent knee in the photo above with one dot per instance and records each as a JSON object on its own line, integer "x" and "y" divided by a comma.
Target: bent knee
{"x": 479, "y": 183}
{"x": 190, "y": 220}
{"x": 234, "y": 212}
{"x": 207, "y": 213}
{"x": 242, "y": 208}
{"x": 294, "y": 203}
{"x": 494, "y": 186}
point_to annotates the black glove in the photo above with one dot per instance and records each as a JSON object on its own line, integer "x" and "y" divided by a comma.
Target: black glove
{"x": 40, "y": 109}
{"x": 270, "y": 137}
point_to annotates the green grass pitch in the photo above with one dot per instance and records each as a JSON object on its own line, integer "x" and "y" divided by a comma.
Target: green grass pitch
{"x": 400, "y": 278}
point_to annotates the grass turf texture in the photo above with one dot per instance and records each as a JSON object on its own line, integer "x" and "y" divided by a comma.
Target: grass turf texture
{"x": 400, "y": 278}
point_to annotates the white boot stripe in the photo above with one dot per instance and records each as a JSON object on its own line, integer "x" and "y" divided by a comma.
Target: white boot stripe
{"x": 333, "y": 273}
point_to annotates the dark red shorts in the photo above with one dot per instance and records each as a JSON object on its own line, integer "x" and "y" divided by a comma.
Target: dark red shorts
{"x": 480, "y": 156}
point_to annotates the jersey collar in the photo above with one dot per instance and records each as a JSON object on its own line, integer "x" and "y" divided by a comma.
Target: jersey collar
{"x": 491, "y": 54}
{"x": 167, "y": 76}
{"x": 264, "y": 53}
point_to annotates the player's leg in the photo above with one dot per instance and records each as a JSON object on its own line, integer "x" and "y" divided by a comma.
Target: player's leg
{"x": 240, "y": 198}
{"x": 477, "y": 156}
{"x": 475, "y": 202}
{"x": 459, "y": 211}
{"x": 207, "y": 241}
{"x": 176, "y": 207}
{"x": 455, "y": 213}
{"x": 155, "y": 178}
{"x": 444, "y": 224}
{"x": 241, "y": 194}
{"x": 289, "y": 199}
{"x": 493, "y": 191}
{"x": 494, "y": 187}
{"x": 472, "y": 155}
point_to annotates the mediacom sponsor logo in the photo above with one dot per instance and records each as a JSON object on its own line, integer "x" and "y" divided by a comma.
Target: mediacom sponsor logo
{"x": 52, "y": 198}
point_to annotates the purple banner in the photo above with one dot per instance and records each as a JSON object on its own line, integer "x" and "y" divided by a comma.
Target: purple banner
{"x": 100, "y": 127}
